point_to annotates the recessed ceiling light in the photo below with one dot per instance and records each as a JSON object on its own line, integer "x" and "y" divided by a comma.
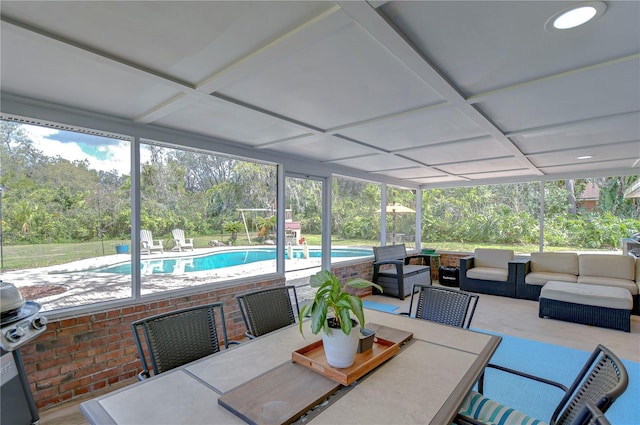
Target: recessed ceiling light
{"x": 575, "y": 15}
{"x": 584, "y": 157}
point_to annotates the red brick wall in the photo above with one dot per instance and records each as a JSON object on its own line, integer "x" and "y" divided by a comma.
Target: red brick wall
{"x": 363, "y": 270}
{"x": 80, "y": 354}
{"x": 452, "y": 259}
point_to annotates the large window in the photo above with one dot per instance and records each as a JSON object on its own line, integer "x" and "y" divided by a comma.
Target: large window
{"x": 355, "y": 213}
{"x": 65, "y": 206}
{"x": 498, "y": 216}
{"x": 66, "y": 235}
{"x": 589, "y": 214}
{"x": 224, "y": 206}
{"x": 303, "y": 227}
{"x": 581, "y": 214}
{"x": 401, "y": 213}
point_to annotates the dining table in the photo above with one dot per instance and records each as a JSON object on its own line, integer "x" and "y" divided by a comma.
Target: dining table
{"x": 424, "y": 381}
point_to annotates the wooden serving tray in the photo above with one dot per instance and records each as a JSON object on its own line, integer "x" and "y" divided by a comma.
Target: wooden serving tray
{"x": 312, "y": 356}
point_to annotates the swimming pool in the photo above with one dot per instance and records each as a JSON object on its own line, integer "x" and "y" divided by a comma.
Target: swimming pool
{"x": 223, "y": 259}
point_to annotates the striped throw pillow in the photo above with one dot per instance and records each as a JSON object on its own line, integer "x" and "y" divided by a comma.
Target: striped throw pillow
{"x": 489, "y": 412}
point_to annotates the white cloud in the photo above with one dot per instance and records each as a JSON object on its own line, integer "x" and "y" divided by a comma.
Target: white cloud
{"x": 118, "y": 155}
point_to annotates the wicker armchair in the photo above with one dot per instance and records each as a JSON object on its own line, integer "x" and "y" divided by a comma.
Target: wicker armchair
{"x": 600, "y": 382}
{"x": 266, "y": 310}
{"x": 178, "y": 337}
{"x": 444, "y": 305}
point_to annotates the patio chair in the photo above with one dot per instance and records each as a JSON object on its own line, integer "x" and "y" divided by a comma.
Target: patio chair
{"x": 149, "y": 244}
{"x": 180, "y": 241}
{"x": 394, "y": 273}
{"x": 267, "y": 310}
{"x": 443, "y": 305}
{"x": 178, "y": 337}
{"x": 601, "y": 381}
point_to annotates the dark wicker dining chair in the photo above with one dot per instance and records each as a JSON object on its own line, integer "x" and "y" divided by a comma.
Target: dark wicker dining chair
{"x": 444, "y": 305}
{"x": 266, "y": 310}
{"x": 178, "y": 337}
{"x": 601, "y": 381}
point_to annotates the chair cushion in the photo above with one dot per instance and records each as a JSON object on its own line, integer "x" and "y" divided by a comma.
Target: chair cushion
{"x": 408, "y": 270}
{"x": 488, "y": 273}
{"x": 540, "y": 278}
{"x": 494, "y": 258}
{"x": 629, "y": 285}
{"x": 489, "y": 412}
{"x": 605, "y": 265}
{"x": 555, "y": 262}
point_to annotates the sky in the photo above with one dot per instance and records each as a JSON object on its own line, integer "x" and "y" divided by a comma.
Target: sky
{"x": 102, "y": 153}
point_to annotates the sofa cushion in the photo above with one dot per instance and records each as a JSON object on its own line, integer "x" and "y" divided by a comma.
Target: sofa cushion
{"x": 493, "y": 258}
{"x": 407, "y": 269}
{"x": 629, "y": 285}
{"x": 638, "y": 270}
{"x": 604, "y": 265}
{"x": 488, "y": 273}
{"x": 565, "y": 263}
{"x": 595, "y": 295}
{"x": 540, "y": 278}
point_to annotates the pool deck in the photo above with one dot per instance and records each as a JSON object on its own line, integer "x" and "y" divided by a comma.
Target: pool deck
{"x": 85, "y": 286}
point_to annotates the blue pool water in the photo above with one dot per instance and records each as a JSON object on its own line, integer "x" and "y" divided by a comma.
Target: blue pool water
{"x": 222, "y": 259}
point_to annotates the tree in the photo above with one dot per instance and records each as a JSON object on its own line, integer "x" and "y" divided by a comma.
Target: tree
{"x": 571, "y": 197}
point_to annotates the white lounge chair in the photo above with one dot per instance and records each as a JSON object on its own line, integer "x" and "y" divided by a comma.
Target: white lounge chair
{"x": 149, "y": 244}
{"x": 180, "y": 241}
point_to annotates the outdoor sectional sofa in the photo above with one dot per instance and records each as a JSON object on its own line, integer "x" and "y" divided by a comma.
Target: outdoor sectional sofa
{"x": 621, "y": 271}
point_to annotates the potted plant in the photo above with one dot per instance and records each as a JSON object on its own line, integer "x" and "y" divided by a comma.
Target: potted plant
{"x": 332, "y": 311}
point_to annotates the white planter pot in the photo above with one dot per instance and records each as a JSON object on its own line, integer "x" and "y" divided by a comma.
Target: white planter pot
{"x": 339, "y": 348}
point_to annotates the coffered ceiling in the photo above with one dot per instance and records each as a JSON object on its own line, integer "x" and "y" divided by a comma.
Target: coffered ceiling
{"x": 421, "y": 93}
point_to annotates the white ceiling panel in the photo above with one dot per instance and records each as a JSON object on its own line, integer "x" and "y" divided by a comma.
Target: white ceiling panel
{"x": 419, "y": 128}
{"x": 321, "y": 148}
{"x": 56, "y": 72}
{"x": 599, "y": 91}
{"x": 464, "y": 150}
{"x": 604, "y": 131}
{"x": 412, "y": 173}
{"x": 377, "y": 163}
{"x": 345, "y": 78}
{"x": 593, "y": 166}
{"x": 499, "y": 174}
{"x": 623, "y": 151}
{"x": 484, "y": 166}
{"x": 216, "y": 118}
{"x": 446, "y": 179}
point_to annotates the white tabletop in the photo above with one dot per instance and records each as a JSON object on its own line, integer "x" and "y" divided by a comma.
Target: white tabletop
{"x": 428, "y": 379}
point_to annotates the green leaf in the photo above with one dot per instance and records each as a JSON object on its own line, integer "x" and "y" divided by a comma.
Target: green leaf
{"x": 345, "y": 321}
{"x": 318, "y": 316}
